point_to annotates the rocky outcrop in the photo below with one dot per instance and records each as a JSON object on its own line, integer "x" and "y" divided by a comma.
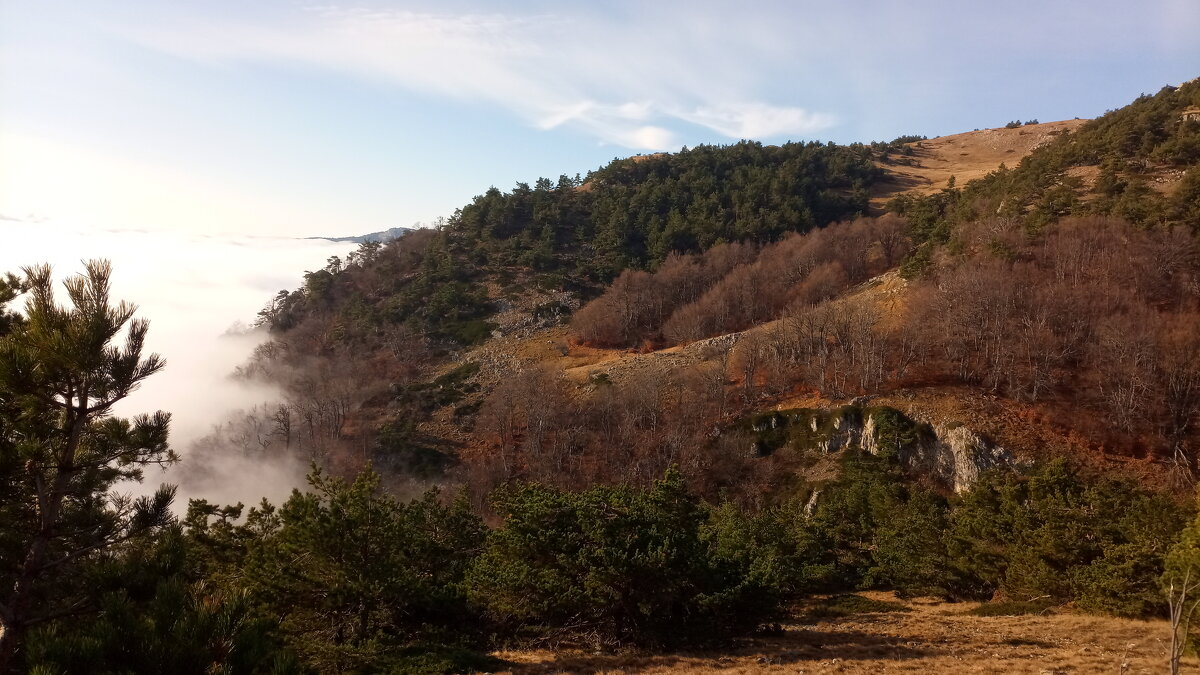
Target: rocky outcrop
{"x": 950, "y": 454}
{"x": 526, "y": 314}
{"x": 957, "y": 457}
{"x": 846, "y": 433}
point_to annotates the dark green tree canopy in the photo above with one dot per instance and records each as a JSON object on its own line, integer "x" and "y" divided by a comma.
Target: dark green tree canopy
{"x": 60, "y": 450}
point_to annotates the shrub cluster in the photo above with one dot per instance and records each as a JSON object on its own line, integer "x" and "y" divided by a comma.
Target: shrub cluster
{"x": 625, "y": 566}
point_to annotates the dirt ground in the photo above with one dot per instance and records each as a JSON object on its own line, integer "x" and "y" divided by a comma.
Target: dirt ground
{"x": 932, "y": 638}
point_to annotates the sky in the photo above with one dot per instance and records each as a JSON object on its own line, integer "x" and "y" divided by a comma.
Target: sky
{"x": 295, "y": 118}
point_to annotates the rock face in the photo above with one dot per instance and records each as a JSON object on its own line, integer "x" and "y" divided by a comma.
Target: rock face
{"x": 530, "y": 312}
{"x": 959, "y": 455}
{"x": 950, "y": 454}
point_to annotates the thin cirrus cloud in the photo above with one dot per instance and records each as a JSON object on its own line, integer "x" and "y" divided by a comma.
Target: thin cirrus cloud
{"x": 756, "y": 120}
{"x": 552, "y": 71}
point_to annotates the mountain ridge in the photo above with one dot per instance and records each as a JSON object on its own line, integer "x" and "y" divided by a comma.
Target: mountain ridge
{"x": 380, "y": 237}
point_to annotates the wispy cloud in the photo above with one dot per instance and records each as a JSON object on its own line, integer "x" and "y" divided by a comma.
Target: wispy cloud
{"x": 635, "y": 90}
{"x": 755, "y": 120}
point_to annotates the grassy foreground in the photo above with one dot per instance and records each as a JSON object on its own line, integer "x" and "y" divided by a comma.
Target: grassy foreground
{"x": 931, "y": 637}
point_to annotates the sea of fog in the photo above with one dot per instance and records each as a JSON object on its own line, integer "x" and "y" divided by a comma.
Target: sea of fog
{"x": 193, "y": 288}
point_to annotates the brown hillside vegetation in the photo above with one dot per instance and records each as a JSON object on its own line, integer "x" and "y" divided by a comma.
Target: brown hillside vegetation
{"x": 1043, "y": 327}
{"x": 1033, "y": 431}
{"x": 930, "y": 637}
{"x": 964, "y": 156}
{"x": 1023, "y": 340}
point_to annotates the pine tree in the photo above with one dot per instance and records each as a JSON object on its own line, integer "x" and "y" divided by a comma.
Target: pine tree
{"x": 61, "y": 451}
{"x": 361, "y": 579}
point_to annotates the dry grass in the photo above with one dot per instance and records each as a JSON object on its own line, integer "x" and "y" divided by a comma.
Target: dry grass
{"x": 932, "y": 638}
{"x": 965, "y": 156}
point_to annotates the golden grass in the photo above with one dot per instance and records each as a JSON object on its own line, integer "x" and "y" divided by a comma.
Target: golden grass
{"x": 964, "y": 156}
{"x": 933, "y": 638}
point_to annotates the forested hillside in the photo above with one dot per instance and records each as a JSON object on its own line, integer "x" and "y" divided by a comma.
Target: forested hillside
{"x": 572, "y": 233}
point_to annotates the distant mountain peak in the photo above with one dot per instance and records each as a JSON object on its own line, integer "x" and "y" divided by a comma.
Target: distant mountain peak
{"x": 385, "y": 235}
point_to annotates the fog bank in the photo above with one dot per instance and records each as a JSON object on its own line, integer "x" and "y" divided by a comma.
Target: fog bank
{"x": 192, "y": 288}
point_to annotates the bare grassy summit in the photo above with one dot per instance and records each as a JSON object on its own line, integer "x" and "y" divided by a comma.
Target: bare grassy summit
{"x": 964, "y": 157}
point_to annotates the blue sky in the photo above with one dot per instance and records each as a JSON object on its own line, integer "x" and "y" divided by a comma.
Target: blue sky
{"x": 282, "y": 117}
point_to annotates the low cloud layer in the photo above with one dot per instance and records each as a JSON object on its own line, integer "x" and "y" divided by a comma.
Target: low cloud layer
{"x": 193, "y": 288}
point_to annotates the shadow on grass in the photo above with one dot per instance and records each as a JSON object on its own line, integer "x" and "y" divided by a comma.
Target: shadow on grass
{"x": 793, "y": 646}
{"x": 845, "y": 605}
